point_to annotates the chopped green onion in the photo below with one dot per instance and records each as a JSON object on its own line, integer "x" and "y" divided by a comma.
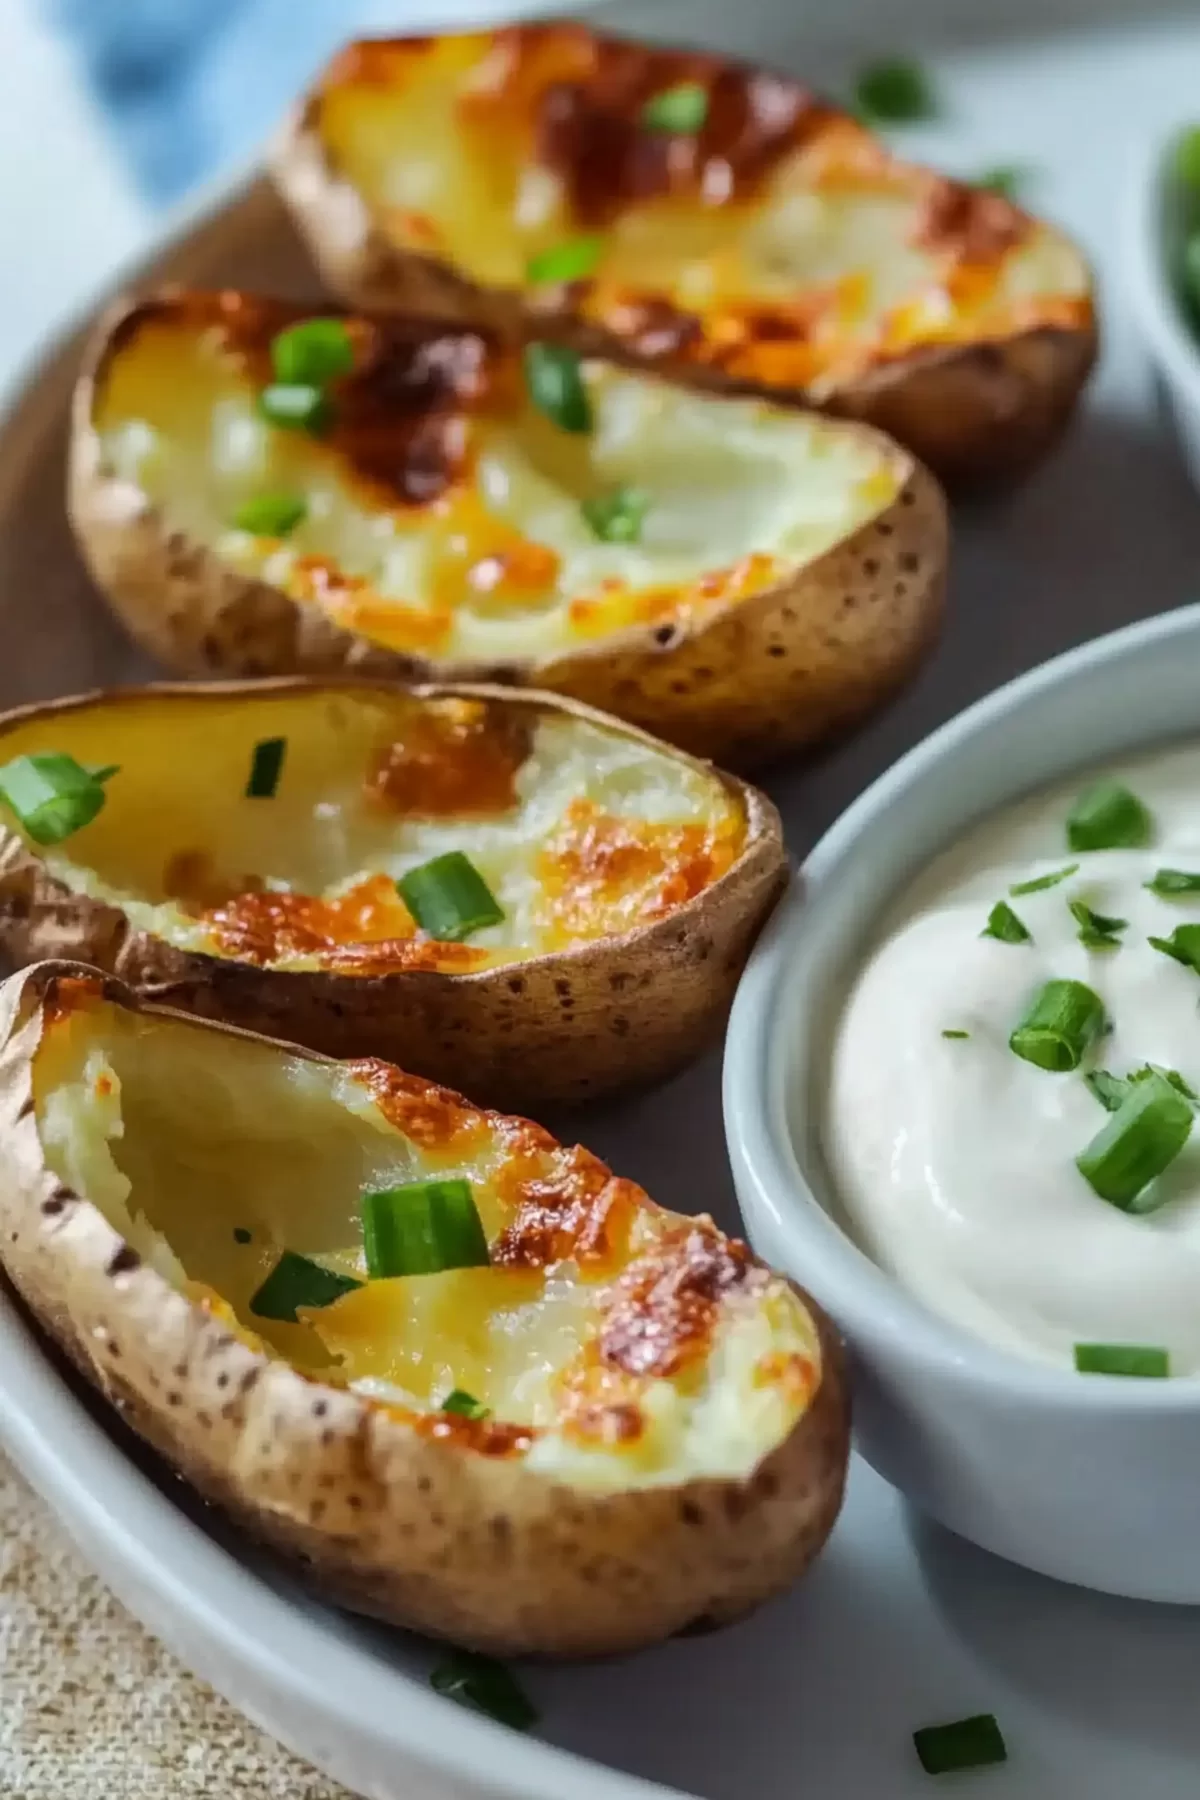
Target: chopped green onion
{"x": 1063, "y": 1020}
{"x": 485, "y": 1684}
{"x": 1122, "y": 1359}
{"x": 1183, "y": 944}
{"x": 1172, "y": 1075}
{"x": 1109, "y": 1089}
{"x": 266, "y": 768}
{"x": 1144, "y": 1135}
{"x": 966, "y": 1744}
{"x": 617, "y": 517}
{"x": 449, "y": 898}
{"x": 956, "y": 1034}
{"x": 52, "y": 795}
{"x": 1168, "y": 882}
{"x": 271, "y": 515}
{"x": 1107, "y": 816}
{"x": 553, "y": 375}
{"x": 1187, "y": 157}
{"x": 682, "y": 108}
{"x": 1040, "y": 882}
{"x": 106, "y": 772}
{"x": 312, "y": 352}
{"x": 241, "y": 1235}
{"x": 296, "y": 406}
{"x": 459, "y": 1401}
{"x": 1190, "y": 272}
{"x": 1004, "y": 924}
{"x": 296, "y": 1281}
{"x": 1006, "y": 179}
{"x": 422, "y": 1228}
{"x": 895, "y": 92}
{"x": 1096, "y": 930}
{"x": 572, "y": 260}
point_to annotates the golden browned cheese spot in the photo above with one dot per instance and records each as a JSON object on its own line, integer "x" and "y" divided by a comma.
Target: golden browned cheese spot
{"x": 599, "y": 1405}
{"x": 600, "y": 873}
{"x": 191, "y": 879}
{"x": 488, "y": 1437}
{"x": 432, "y": 1116}
{"x": 565, "y": 1203}
{"x": 971, "y": 224}
{"x": 368, "y": 930}
{"x": 662, "y": 1310}
{"x": 454, "y": 759}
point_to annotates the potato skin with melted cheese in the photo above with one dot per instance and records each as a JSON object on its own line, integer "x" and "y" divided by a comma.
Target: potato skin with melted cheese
{"x": 799, "y": 623}
{"x": 447, "y": 1525}
{"x": 969, "y": 359}
{"x": 632, "y": 944}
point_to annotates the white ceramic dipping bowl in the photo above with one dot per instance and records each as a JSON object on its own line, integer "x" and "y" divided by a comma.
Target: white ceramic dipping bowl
{"x": 1173, "y": 349}
{"x": 1094, "y": 1479}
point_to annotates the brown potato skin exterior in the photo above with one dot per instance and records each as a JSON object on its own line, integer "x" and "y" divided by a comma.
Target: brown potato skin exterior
{"x": 979, "y": 415}
{"x": 383, "y": 1519}
{"x": 753, "y": 680}
{"x": 618, "y": 1013}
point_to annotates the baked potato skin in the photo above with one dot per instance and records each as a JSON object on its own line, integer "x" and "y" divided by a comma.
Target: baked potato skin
{"x": 746, "y": 682}
{"x": 613, "y": 1014}
{"x": 980, "y": 415}
{"x": 386, "y": 1520}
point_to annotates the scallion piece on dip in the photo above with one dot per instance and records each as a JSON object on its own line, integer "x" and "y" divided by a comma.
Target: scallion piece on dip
{"x": 1122, "y": 1359}
{"x": 1142, "y": 1138}
{"x": 266, "y": 766}
{"x": 1107, "y": 816}
{"x": 1169, "y": 882}
{"x": 1183, "y": 945}
{"x": 1040, "y": 882}
{"x": 1065, "y": 1018}
{"x": 1096, "y": 930}
{"x": 965, "y": 1744}
{"x": 1004, "y": 924}
{"x": 422, "y": 1228}
{"x": 449, "y": 898}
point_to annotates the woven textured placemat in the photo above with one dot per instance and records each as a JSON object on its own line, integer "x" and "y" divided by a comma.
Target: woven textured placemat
{"x": 92, "y": 1708}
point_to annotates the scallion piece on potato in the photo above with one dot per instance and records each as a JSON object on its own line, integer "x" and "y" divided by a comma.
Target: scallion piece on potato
{"x": 266, "y": 767}
{"x": 1122, "y": 1359}
{"x": 312, "y": 352}
{"x": 297, "y": 1281}
{"x": 485, "y": 1684}
{"x": 572, "y": 260}
{"x": 964, "y": 1744}
{"x": 1142, "y": 1138}
{"x": 682, "y": 109}
{"x": 554, "y": 378}
{"x": 296, "y": 406}
{"x": 52, "y": 795}
{"x": 617, "y": 517}
{"x": 449, "y": 898}
{"x": 271, "y": 515}
{"x": 1065, "y": 1018}
{"x": 1107, "y": 816}
{"x": 422, "y": 1228}
{"x": 466, "y": 1405}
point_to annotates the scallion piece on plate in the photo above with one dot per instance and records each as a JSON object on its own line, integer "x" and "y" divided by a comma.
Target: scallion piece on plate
{"x": 617, "y": 517}
{"x": 572, "y": 260}
{"x": 1006, "y": 179}
{"x": 1122, "y": 1359}
{"x": 449, "y": 898}
{"x": 1096, "y": 930}
{"x": 682, "y": 109}
{"x": 1109, "y": 1089}
{"x": 270, "y": 515}
{"x": 1004, "y": 924}
{"x": 1183, "y": 945}
{"x": 52, "y": 795}
{"x": 312, "y": 352}
{"x": 1041, "y": 882}
{"x": 554, "y": 378}
{"x": 466, "y": 1405}
{"x": 956, "y": 1034}
{"x": 1107, "y": 816}
{"x": 965, "y": 1744}
{"x": 895, "y": 91}
{"x": 1169, "y": 882}
{"x": 266, "y": 766}
{"x": 1141, "y": 1139}
{"x": 482, "y": 1682}
{"x": 296, "y": 1281}
{"x": 296, "y": 406}
{"x": 422, "y": 1228}
{"x": 1187, "y": 158}
{"x": 1064, "y": 1019}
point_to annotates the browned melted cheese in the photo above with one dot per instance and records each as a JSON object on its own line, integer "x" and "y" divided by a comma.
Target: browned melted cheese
{"x": 601, "y": 874}
{"x": 366, "y": 931}
{"x": 456, "y": 759}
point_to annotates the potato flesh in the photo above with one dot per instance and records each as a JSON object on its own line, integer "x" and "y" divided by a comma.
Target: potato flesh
{"x": 836, "y": 217}
{"x": 181, "y": 792}
{"x": 739, "y": 494}
{"x": 181, "y": 1137}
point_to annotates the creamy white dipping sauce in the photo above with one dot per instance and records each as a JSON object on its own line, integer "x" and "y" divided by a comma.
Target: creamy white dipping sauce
{"x": 953, "y": 1158}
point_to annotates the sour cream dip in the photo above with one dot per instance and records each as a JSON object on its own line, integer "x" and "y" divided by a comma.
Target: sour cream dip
{"x": 954, "y": 1158}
